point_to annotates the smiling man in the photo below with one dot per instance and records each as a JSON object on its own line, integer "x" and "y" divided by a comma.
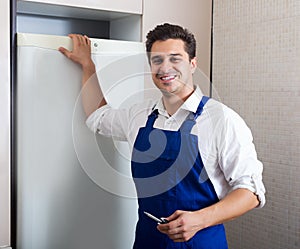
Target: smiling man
{"x": 172, "y": 68}
{"x": 195, "y": 192}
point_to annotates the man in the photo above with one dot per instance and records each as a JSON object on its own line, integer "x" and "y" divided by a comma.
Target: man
{"x": 195, "y": 192}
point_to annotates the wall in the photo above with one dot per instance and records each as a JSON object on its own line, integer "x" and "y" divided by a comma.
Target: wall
{"x": 256, "y": 59}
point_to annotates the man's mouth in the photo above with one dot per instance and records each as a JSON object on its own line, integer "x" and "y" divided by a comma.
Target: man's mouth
{"x": 167, "y": 78}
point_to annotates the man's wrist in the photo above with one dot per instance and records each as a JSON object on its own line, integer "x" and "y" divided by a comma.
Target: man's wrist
{"x": 89, "y": 69}
{"x": 88, "y": 66}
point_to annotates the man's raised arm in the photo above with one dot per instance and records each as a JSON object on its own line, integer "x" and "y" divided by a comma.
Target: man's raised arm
{"x": 92, "y": 96}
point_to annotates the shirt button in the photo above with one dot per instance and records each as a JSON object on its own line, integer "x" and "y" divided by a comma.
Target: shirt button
{"x": 169, "y": 122}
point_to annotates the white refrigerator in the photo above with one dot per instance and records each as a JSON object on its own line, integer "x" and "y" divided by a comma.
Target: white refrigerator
{"x": 74, "y": 189}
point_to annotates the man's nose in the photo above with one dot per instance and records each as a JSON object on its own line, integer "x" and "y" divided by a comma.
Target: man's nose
{"x": 165, "y": 66}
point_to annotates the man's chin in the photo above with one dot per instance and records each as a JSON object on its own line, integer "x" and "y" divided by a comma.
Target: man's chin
{"x": 168, "y": 92}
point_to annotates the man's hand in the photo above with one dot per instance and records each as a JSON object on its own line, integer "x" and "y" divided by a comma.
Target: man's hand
{"x": 81, "y": 52}
{"x": 92, "y": 96}
{"x": 182, "y": 226}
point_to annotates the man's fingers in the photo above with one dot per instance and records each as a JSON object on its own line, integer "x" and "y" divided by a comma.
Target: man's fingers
{"x": 79, "y": 39}
{"x": 88, "y": 41}
{"x": 64, "y": 51}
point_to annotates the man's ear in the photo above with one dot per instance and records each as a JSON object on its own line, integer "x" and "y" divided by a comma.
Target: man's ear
{"x": 193, "y": 64}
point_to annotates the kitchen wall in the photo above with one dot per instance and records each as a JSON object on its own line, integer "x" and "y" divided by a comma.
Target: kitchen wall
{"x": 256, "y": 60}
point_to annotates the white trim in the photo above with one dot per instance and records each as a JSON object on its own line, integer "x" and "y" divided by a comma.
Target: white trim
{"x": 98, "y": 45}
{"x": 5, "y": 129}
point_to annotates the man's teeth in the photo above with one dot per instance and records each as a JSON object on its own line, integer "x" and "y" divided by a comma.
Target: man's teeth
{"x": 168, "y": 78}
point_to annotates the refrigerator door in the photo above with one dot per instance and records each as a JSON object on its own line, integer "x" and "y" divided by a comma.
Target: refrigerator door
{"x": 74, "y": 187}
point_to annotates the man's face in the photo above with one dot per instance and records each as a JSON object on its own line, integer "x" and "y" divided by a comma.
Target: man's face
{"x": 171, "y": 68}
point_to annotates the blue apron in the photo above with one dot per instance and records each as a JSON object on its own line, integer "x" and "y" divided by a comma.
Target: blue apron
{"x": 169, "y": 175}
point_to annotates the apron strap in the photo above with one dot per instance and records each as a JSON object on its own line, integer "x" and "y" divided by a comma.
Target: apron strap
{"x": 151, "y": 118}
{"x": 188, "y": 124}
{"x": 200, "y": 107}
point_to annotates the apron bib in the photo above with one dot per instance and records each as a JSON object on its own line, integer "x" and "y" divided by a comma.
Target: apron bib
{"x": 169, "y": 175}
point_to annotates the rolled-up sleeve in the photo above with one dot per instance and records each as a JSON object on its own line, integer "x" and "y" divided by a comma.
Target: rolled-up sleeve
{"x": 239, "y": 161}
{"x": 109, "y": 122}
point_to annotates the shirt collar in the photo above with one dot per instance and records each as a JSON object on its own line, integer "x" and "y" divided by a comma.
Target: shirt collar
{"x": 191, "y": 104}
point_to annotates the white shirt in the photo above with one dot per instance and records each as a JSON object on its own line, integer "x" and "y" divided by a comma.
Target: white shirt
{"x": 225, "y": 142}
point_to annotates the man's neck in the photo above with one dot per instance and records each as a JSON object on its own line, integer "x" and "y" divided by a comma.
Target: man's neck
{"x": 173, "y": 102}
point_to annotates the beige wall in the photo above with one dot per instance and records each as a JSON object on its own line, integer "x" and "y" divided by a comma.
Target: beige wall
{"x": 256, "y": 60}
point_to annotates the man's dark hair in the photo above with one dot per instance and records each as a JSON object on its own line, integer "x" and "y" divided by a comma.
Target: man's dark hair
{"x": 167, "y": 31}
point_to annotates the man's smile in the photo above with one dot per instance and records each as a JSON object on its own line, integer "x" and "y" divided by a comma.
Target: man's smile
{"x": 167, "y": 78}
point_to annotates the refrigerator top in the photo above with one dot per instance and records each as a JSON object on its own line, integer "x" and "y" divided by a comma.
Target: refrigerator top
{"x": 98, "y": 45}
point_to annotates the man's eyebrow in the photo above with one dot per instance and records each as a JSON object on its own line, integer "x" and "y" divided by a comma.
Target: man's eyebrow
{"x": 155, "y": 57}
{"x": 177, "y": 54}
{"x": 159, "y": 56}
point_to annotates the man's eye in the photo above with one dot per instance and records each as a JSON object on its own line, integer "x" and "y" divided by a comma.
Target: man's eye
{"x": 174, "y": 59}
{"x": 157, "y": 61}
